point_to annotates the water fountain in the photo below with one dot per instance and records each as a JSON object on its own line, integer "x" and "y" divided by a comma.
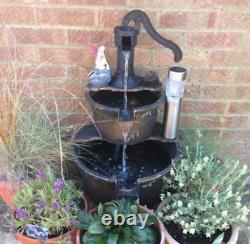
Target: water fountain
{"x": 127, "y": 154}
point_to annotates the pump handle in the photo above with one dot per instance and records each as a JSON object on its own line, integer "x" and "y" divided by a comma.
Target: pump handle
{"x": 138, "y": 17}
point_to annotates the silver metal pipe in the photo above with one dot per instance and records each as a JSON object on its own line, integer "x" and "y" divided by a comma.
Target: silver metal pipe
{"x": 171, "y": 117}
{"x": 174, "y": 94}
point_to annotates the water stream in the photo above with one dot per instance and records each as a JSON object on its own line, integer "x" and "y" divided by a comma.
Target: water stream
{"x": 126, "y": 55}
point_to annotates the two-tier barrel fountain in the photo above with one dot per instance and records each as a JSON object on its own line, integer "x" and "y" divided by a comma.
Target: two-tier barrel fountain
{"x": 123, "y": 153}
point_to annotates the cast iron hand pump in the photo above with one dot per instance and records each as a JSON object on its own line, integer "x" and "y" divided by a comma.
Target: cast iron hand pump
{"x": 126, "y": 40}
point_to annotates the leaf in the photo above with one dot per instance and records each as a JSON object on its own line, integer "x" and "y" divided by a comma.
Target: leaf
{"x": 145, "y": 236}
{"x": 96, "y": 228}
{"x": 93, "y": 239}
{"x": 85, "y": 219}
{"x": 219, "y": 239}
{"x": 100, "y": 210}
{"x": 113, "y": 238}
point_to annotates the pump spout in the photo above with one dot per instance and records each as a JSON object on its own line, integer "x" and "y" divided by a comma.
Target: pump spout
{"x": 125, "y": 41}
{"x": 139, "y": 17}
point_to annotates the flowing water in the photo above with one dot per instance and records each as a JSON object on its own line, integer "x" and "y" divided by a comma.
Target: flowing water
{"x": 126, "y": 55}
{"x": 125, "y": 113}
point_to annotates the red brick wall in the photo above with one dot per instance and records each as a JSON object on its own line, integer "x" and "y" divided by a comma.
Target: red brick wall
{"x": 53, "y": 37}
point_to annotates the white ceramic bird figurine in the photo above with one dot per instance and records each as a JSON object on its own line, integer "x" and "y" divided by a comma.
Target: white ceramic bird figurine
{"x": 101, "y": 75}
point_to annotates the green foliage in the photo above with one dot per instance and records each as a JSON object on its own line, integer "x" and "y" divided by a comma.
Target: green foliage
{"x": 46, "y": 202}
{"x": 204, "y": 194}
{"x": 98, "y": 233}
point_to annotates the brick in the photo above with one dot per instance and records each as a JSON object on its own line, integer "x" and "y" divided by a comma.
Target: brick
{"x": 242, "y": 76}
{"x": 198, "y": 20}
{"x": 213, "y": 121}
{"x": 239, "y": 108}
{"x": 142, "y": 57}
{"x": 45, "y": 72}
{"x": 66, "y": 56}
{"x": 218, "y": 92}
{"x": 37, "y": 36}
{"x": 162, "y": 57}
{"x": 2, "y": 37}
{"x": 65, "y": 16}
{"x": 237, "y": 135}
{"x": 78, "y": 73}
{"x": 211, "y": 76}
{"x": 31, "y": 88}
{"x": 16, "y": 15}
{"x": 235, "y": 20}
{"x": 98, "y": 2}
{"x": 230, "y": 58}
{"x": 50, "y": 1}
{"x": 110, "y": 18}
{"x": 173, "y": 20}
{"x": 159, "y": 4}
{"x": 66, "y": 89}
{"x": 214, "y": 40}
{"x": 203, "y": 107}
{"x": 195, "y": 58}
{"x": 86, "y": 37}
{"x": 19, "y": 54}
{"x": 144, "y": 40}
{"x": 219, "y": 3}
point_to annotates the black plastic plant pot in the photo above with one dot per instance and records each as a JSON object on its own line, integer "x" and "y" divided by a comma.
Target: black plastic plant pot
{"x": 138, "y": 121}
{"x": 106, "y": 177}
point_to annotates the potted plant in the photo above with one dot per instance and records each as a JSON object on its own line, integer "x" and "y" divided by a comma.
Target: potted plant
{"x": 93, "y": 230}
{"x": 46, "y": 209}
{"x": 203, "y": 199}
{"x": 30, "y": 139}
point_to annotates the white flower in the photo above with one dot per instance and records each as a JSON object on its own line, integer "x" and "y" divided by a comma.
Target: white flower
{"x": 184, "y": 231}
{"x": 192, "y": 231}
{"x": 192, "y": 224}
{"x": 238, "y": 204}
{"x": 205, "y": 221}
{"x": 162, "y": 196}
{"x": 216, "y": 202}
{"x": 181, "y": 184}
{"x": 206, "y": 159}
{"x": 244, "y": 169}
{"x": 189, "y": 205}
{"x": 208, "y": 234}
{"x": 239, "y": 198}
{"x": 229, "y": 194}
{"x": 243, "y": 218}
{"x": 224, "y": 226}
{"x": 182, "y": 222}
{"x": 160, "y": 214}
{"x": 179, "y": 203}
{"x": 187, "y": 225}
{"x": 216, "y": 194}
{"x": 168, "y": 194}
{"x": 224, "y": 213}
{"x": 166, "y": 208}
{"x": 213, "y": 216}
{"x": 171, "y": 217}
{"x": 171, "y": 172}
{"x": 193, "y": 175}
{"x": 198, "y": 167}
{"x": 245, "y": 210}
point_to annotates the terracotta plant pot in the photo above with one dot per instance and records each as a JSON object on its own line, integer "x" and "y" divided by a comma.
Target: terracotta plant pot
{"x": 67, "y": 236}
{"x": 233, "y": 239}
{"x": 71, "y": 235}
{"x": 7, "y": 190}
{"x": 158, "y": 226}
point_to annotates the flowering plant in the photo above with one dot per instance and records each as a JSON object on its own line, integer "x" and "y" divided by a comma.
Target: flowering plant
{"x": 203, "y": 195}
{"x": 45, "y": 206}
